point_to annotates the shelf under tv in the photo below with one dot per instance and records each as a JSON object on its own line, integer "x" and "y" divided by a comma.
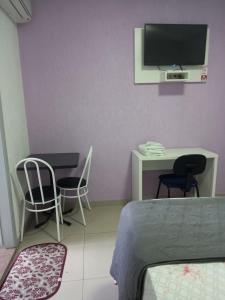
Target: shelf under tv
{"x": 174, "y": 75}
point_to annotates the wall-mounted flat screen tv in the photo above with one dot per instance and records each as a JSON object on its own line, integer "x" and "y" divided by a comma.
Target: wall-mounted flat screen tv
{"x": 174, "y": 44}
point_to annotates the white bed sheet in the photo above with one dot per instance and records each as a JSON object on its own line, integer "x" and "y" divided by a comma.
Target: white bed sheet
{"x": 204, "y": 281}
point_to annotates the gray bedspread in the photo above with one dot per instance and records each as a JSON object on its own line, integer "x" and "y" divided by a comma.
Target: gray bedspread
{"x": 155, "y": 232}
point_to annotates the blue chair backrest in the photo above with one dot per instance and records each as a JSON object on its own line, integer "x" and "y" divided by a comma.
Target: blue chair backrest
{"x": 191, "y": 164}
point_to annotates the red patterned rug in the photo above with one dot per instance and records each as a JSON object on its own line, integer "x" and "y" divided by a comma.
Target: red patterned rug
{"x": 36, "y": 273}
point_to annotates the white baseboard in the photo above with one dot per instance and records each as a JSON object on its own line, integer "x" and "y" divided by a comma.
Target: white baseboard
{"x": 109, "y": 202}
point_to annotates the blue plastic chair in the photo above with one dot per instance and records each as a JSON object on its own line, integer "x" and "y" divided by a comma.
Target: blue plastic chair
{"x": 184, "y": 169}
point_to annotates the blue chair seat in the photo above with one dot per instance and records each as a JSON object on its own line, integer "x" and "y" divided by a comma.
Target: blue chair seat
{"x": 177, "y": 181}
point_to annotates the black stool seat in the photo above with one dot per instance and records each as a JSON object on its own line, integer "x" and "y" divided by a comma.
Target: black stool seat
{"x": 47, "y": 191}
{"x": 70, "y": 182}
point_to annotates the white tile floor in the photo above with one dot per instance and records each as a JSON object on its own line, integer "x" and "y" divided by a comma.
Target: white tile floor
{"x": 86, "y": 272}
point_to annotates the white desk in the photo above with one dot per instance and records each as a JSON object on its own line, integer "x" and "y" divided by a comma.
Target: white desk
{"x": 140, "y": 163}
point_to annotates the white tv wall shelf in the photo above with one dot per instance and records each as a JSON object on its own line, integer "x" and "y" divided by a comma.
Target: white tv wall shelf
{"x": 156, "y": 74}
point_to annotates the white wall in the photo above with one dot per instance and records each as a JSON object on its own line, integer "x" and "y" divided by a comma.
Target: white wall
{"x": 11, "y": 89}
{"x": 1, "y": 242}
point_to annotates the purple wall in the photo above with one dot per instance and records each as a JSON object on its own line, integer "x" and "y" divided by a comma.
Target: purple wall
{"x": 78, "y": 65}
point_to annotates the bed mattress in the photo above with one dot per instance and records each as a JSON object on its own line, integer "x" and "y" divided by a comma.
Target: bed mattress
{"x": 155, "y": 232}
{"x": 185, "y": 282}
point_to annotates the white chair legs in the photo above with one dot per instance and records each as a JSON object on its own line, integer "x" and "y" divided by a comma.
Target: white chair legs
{"x": 36, "y": 215}
{"x": 79, "y": 197}
{"x": 57, "y": 223}
{"x": 88, "y": 203}
{"x": 60, "y": 212}
{"x": 59, "y": 219}
{"x": 22, "y": 222}
{"x": 81, "y": 209}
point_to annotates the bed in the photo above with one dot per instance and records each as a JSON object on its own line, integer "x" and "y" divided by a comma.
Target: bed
{"x": 170, "y": 239}
{"x": 185, "y": 281}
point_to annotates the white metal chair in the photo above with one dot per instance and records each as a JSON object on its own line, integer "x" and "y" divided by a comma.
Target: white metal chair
{"x": 78, "y": 186}
{"x": 40, "y": 198}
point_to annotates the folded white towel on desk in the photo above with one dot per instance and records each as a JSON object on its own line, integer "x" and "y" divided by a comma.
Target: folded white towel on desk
{"x": 151, "y": 148}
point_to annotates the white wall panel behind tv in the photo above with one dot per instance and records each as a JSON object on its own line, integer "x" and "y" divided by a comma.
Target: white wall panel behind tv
{"x": 155, "y": 74}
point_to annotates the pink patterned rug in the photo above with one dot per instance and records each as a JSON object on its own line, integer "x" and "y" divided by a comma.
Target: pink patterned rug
{"x": 36, "y": 273}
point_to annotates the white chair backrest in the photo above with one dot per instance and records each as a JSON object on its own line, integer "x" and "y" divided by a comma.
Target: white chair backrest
{"x": 86, "y": 170}
{"x": 32, "y": 164}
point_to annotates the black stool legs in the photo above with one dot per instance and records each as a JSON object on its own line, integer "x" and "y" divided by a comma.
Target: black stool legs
{"x": 157, "y": 194}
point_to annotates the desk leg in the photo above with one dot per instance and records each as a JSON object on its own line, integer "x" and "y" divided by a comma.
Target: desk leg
{"x": 137, "y": 173}
{"x": 207, "y": 181}
{"x": 215, "y": 166}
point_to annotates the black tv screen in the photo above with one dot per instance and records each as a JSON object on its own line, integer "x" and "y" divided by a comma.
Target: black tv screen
{"x": 174, "y": 44}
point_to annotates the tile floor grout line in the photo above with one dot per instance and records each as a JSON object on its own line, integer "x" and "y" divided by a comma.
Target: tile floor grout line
{"x": 102, "y": 232}
{"x": 83, "y": 267}
{"x": 71, "y": 280}
{"x": 99, "y": 277}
